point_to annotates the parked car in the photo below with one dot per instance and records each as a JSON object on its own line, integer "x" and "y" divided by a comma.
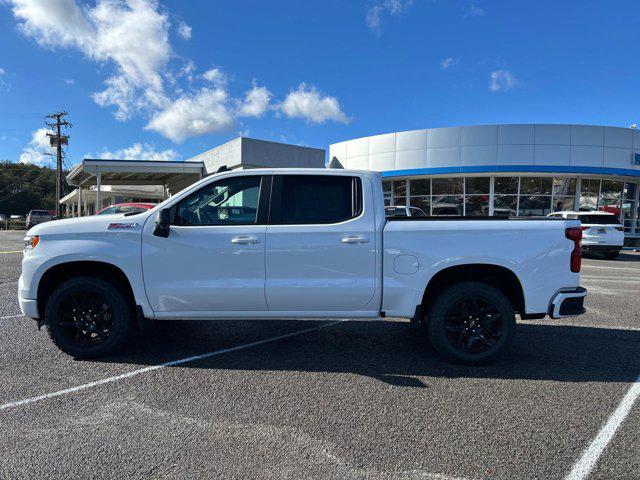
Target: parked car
{"x": 298, "y": 243}
{"x": 403, "y": 211}
{"x": 3, "y": 217}
{"x": 602, "y": 232}
{"x": 126, "y": 208}
{"x": 35, "y": 217}
{"x": 16, "y": 217}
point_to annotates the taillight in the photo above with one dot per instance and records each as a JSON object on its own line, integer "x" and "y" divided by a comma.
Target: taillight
{"x": 575, "y": 234}
{"x": 584, "y": 228}
{"x": 620, "y": 229}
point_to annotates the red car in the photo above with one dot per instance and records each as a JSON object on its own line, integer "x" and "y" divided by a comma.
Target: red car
{"x": 126, "y": 208}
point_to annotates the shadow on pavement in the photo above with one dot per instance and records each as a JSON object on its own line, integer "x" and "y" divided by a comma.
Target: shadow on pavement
{"x": 389, "y": 351}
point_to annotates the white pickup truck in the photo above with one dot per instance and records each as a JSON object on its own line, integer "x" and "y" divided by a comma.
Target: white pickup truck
{"x": 297, "y": 243}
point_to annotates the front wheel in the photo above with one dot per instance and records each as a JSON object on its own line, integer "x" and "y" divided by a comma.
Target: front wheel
{"x": 471, "y": 323}
{"x": 88, "y": 317}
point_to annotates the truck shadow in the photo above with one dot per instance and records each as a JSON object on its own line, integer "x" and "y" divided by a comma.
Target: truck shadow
{"x": 388, "y": 351}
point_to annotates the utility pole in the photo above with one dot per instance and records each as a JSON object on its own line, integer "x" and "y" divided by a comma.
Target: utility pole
{"x": 57, "y": 140}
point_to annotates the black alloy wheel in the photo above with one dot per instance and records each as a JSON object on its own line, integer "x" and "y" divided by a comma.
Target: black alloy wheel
{"x": 471, "y": 323}
{"x": 88, "y": 317}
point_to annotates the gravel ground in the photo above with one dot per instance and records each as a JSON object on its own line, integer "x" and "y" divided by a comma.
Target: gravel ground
{"x": 354, "y": 399}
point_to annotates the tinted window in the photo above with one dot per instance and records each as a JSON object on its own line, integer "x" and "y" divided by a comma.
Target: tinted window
{"x": 600, "y": 219}
{"x": 108, "y": 211}
{"x": 230, "y": 201}
{"x": 416, "y": 212}
{"x": 319, "y": 199}
{"x": 395, "y": 212}
{"x": 39, "y": 213}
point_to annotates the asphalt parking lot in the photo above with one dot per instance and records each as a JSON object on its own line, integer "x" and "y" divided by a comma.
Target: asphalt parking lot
{"x": 353, "y": 399}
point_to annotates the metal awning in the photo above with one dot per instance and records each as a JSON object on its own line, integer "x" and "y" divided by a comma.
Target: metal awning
{"x": 134, "y": 172}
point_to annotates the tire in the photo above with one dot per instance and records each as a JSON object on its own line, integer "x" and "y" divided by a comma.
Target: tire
{"x": 611, "y": 255}
{"x": 90, "y": 340}
{"x": 462, "y": 340}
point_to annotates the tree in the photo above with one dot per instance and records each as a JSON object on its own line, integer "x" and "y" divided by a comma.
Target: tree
{"x": 26, "y": 187}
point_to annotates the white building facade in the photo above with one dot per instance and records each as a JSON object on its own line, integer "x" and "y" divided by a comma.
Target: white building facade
{"x": 518, "y": 170}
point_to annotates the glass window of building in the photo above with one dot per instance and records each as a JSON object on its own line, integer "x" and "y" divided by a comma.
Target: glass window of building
{"x": 610, "y": 196}
{"x": 505, "y": 205}
{"x": 476, "y": 205}
{"x": 447, "y": 205}
{"x": 400, "y": 192}
{"x": 447, "y": 186}
{"x": 387, "y": 187}
{"x": 562, "y": 204}
{"x": 534, "y": 205}
{"x": 423, "y": 203}
{"x": 506, "y": 185}
{"x": 420, "y": 187}
{"x": 477, "y": 185}
{"x": 535, "y": 185}
{"x": 589, "y": 194}
{"x": 564, "y": 186}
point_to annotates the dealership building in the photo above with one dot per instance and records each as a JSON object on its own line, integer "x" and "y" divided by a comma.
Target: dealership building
{"x": 485, "y": 170}
{"x": 516, "y": 170}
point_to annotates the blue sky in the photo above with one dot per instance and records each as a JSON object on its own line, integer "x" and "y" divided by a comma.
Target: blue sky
{"x": 170, "y": 79}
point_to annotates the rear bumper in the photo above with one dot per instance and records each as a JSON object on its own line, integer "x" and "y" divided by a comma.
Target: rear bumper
{"x": 569, "y": 303}
{"x": 601, "y": 248}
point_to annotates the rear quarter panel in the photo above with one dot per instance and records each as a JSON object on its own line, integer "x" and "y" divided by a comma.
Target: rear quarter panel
{"x": 535, "y": 250}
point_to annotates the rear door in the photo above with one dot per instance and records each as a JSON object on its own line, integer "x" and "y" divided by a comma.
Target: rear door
{"x": 320, "y": 248}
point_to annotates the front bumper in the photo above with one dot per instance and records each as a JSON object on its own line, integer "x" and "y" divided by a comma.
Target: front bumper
{"x": 29, "y": 308}
{"x": 569, "y": 303}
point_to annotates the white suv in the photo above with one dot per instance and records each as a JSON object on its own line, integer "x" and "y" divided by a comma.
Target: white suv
{"x": 602, "y": 232}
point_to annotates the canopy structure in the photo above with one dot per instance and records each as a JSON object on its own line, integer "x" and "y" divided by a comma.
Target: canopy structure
{"x": 169, "y": 176}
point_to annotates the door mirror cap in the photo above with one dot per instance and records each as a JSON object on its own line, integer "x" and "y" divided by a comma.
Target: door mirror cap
{"x": 163, "y": 223}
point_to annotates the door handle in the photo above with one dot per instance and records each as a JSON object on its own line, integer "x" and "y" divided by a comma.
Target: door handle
{"x": 355, "y": 239}
{"x": 245, "y": 240}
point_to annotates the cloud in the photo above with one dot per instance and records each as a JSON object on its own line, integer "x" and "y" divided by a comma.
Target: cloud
{"x": 501, "y": 80}
{"x": 132, "y": 35}
{"x": 34, "y": 152}
{"x": 3, "y": 83}
{"x": 308, "y": 103}
{"x": 140, "y": 151}
{"x": 184, "y": 31}
{"x": 130, "y": 39}
{"x": 380, "y": 8}
{"x": 256, "y": 102}
{"x": 216, "y": 76}
{"x": 449, "y": 62}
{"x": 69, "y": 81}
{"x": 194, "y": 114}
{"x": 473, "y": 11}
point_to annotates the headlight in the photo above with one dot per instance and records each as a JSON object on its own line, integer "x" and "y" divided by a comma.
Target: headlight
{"x": 31, "y": 242}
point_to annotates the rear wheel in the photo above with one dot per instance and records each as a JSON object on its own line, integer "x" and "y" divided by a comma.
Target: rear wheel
{"x": 88, "y": 317}
{"x": 471, "y": 323}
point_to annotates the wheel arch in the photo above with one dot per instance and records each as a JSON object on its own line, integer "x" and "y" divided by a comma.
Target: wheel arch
{"x": 62, "y": 272}
{"x": 497, "y": 276}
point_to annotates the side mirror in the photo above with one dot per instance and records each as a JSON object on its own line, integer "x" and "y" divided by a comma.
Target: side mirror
{"x": 163, "y": 223}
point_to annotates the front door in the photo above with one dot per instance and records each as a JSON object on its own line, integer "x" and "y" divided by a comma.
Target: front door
{"x": 214, "y": 257}
{"x": 321, "y": 245}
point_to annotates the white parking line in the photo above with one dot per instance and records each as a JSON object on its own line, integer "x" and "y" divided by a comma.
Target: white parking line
{"x": 611, "y": 268}
{"x": 151, "y": 368}
{"x": 11, "y": 316}
{"x": 585, "y": 464}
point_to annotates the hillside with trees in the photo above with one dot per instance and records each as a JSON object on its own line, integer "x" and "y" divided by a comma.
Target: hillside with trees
{"x": 25, "y": 187}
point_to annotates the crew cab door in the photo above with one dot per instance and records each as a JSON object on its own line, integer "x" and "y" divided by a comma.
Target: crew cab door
{"x": 321, "y": 244}
{"x": 213, "y": 259}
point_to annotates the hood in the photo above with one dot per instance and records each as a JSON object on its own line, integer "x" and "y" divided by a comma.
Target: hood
{"x": 90, "y": 224}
